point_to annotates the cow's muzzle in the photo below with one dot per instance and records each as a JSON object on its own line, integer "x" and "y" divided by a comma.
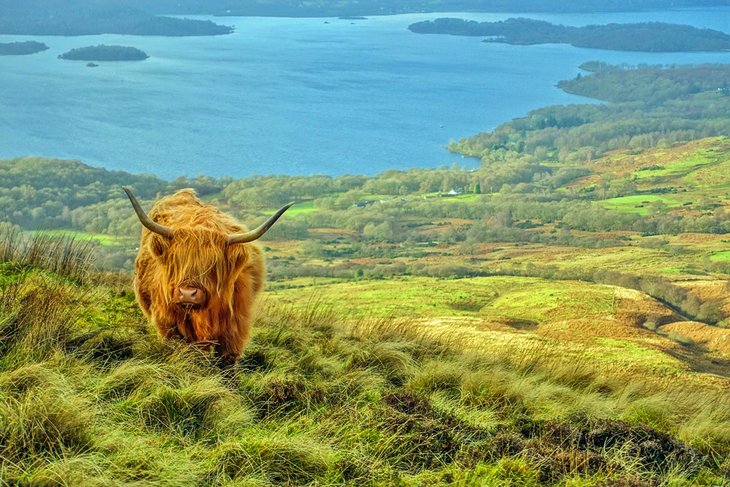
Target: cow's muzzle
{"x": 190, "y": 297}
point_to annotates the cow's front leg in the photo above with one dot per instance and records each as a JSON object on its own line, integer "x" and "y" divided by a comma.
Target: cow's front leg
{"x": 226, "y": 358}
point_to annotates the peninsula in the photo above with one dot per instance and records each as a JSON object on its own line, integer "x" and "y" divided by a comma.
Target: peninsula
{"x": 646, "y": 37}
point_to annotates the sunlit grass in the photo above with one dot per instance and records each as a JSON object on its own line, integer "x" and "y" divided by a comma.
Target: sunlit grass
{"x": 673, "y": 169}
{"x": 100, "y": 238}
{"x": 721, "y": 256}
{"x": 641, "y": 203}
{"x": 423, "y": 297}
{"x": 300, "y": 208}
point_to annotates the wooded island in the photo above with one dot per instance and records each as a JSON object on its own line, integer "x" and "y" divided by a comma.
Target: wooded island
{"x": 105, "y": 53}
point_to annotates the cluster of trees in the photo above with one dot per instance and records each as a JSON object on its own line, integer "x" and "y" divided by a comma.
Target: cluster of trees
{"x": 652, "y": 107}
{"x": 648, "y": 36}
{"x": 40, "y": 193}
{"x": 103, "y": 52}
{"x": 21, "y": 48}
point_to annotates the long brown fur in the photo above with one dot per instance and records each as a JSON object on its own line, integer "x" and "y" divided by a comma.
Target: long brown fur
{"x": 197, "y": 255}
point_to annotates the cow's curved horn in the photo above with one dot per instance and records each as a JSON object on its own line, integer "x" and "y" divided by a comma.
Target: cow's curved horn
{"x": 151, "y": 225}
{"x": 257, "y": 232}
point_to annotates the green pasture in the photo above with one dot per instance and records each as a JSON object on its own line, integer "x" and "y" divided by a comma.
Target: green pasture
{"x": 463, "y": 198}
{"x": 90, "y": 395}
{"x": 713, "y": 176}
{"x": 641, "y": 204}
{"x": 723, "y": 256}
{"x": 673, "y": 169}
{"x": 100, "y": 238}
{"x": 301, "y": 208}
{"x": 632, "y": 259}
{"x": 519, "y": 298}
{"x": 678, "y": 258}
{"x": 568, "y": 318}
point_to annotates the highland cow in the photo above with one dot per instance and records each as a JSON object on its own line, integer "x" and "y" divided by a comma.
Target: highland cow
{"x": 198, "y": 272}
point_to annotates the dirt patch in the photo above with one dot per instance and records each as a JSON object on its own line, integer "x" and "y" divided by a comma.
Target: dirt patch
{"x": 636, "y": 308}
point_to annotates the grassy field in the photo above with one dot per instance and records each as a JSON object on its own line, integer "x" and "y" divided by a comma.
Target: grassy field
{"x": 678, "y": 178}
{"x": 643, "y": 204}
{"x": 299, "y": 209}
{"x": 322, "y": 396}
{"x": 619, "y": 329}
{"x": 528, "y": 298}
{"x": 100, "y": 238}
{"x": 723, "y": 256}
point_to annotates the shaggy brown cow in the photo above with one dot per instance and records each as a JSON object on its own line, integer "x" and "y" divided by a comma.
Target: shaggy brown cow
{"x": 198, "y": 272}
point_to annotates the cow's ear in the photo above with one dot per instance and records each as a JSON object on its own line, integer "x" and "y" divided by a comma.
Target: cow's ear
{"x": 159, "y": 245}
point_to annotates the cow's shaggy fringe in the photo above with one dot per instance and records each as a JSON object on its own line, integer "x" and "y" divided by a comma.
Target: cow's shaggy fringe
{"x": 89, "y": 396}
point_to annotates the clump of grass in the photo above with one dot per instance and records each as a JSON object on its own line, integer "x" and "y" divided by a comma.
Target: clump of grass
{"x": 63, "y": 255}
{"x": 650, "y": 325}
{"x": 392, "y": 359}
{"x": 37, "y": 316}
{"x": 189, "y": 411}
{"x": 131, "y": 375}
{"x": 44, "y": 421}
{"x": 275, "y": 459}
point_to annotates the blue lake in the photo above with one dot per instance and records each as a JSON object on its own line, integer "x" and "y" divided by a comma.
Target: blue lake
{"x": 294, "y": 96}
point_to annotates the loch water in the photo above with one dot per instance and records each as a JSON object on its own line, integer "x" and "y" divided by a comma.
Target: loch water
{"x": 295, "y": 96}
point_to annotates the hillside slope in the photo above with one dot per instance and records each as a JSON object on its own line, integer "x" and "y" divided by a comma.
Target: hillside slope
{"x": 88, "y": 395}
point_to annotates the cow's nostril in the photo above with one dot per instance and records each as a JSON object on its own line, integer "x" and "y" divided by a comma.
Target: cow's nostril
{"x": 190, "y": 296}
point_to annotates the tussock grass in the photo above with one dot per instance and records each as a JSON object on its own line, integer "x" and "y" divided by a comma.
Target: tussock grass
{"x": 90, "y": 396}
{"x": 63, "y": 255}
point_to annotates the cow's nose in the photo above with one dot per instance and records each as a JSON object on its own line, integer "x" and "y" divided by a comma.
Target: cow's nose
{"x": 190, "y": 296}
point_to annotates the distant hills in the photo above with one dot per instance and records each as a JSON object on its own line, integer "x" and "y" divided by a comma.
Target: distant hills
{"x": 325, "y": 8}
{"x": 89, "y": 17}
{"x": 142, "y": 17}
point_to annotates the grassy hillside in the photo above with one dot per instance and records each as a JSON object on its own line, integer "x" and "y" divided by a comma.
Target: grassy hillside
{"x": 326, "y": 394}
